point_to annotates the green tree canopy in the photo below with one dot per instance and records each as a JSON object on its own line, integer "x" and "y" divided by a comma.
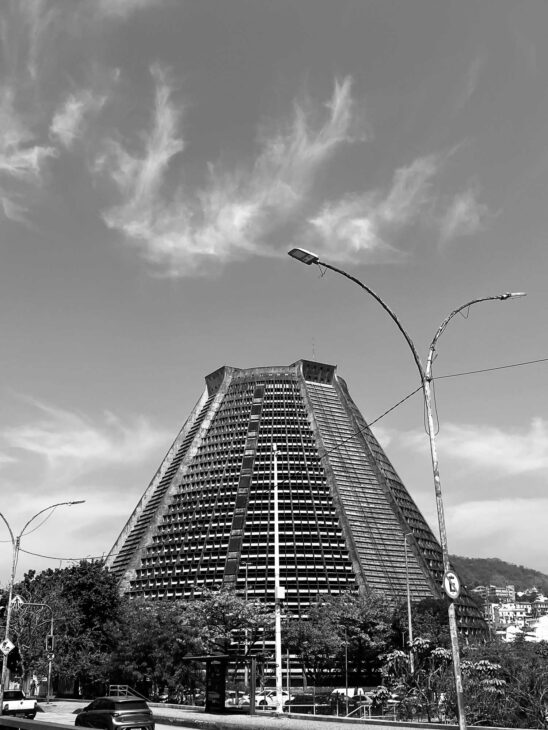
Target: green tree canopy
{"x": 229, "y": 622}
{"x": 85, "y": 603}
{"x": 347, "y": 632}
{"x": 151, "y": 640}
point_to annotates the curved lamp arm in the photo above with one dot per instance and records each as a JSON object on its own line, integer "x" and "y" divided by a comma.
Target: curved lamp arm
{"x": 51, "y": 506}
{"x": 307, "y": 257}
{"x": 9, "y": 529}
{"x": 443, "y": 325}
{"x": 386, "y": 308}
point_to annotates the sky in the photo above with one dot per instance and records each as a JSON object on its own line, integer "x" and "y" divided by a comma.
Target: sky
{"x": 158, "y": 160}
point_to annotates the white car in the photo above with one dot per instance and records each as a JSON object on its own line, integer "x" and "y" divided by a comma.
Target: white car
{"x": 235, "y": 699}
{"x": 267, "y": 698}
{"x": 17, "y": 704}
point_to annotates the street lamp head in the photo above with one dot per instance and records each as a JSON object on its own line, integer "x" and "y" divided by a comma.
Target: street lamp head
{"x": 304, "y": 256}
{"x": 78, "y": 501}
{"x": 512, "y": 295}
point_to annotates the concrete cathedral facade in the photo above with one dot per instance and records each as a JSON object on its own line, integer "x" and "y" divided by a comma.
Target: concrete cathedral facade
{"x": 206, "y": 519}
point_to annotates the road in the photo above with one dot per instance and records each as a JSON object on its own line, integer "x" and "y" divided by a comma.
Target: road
{"x": 63, "y": 713}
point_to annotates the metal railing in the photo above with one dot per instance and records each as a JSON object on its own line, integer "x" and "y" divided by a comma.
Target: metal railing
{"x": 124, "y": 690}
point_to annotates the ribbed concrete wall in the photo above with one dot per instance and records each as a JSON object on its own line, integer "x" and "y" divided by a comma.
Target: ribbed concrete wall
{"x": 207, "y": 517}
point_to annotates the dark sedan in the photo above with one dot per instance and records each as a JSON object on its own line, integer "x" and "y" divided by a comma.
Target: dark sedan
{"x": 310, "y": 704}
{"x": 116, "y": 713}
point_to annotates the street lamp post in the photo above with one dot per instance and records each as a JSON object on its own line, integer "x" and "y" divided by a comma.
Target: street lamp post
{"x": 279, "y": 592}
{"x": 16, "y": 545}
{"x": 409, "y": 616}
{"x": 307, "y": 257}
{"x": 49, "y": 640}
{"x": 246, "y": 645}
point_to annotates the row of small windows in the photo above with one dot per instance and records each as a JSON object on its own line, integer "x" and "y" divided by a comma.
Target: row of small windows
{"x": 208, "y": 459}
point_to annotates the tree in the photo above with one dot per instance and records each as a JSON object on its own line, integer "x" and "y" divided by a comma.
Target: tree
{"x": 516, "y": 674}
{"x": 317, "y": 643}
{"x": 485, "y": 690}
{"x": 528, "y": 687}
{"x": 364, "y": 624}
{"x": 431, "y": 620}
{"x": 504, "y": 684}
{"x": 348, "y": 629}
{"x": 85, "y": 603}
{"x": 151, "y": 640}
{"x": 228, "y": 622}
{"x": 419, "y": 691}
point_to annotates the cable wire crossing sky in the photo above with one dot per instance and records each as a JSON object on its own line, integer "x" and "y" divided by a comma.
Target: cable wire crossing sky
{"x": 158, "y": 160}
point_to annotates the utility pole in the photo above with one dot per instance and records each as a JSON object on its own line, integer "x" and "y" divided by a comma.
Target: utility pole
{"x": 246, "y": 643}
{"x": 279, "y": 593}
{"x": 16, "y": 545}
{"x": 451, "y": 584}
{"x": 409, "y": 617}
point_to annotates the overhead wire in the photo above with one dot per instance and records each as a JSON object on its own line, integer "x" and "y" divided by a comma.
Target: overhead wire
{"x": 53, "y": 557}
{"x": 372, "y": 423}
{"x": 489, "y": 370}
{"x": 337, "y": 446}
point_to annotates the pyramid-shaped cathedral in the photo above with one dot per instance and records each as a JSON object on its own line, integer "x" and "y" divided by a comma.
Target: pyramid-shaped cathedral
{"x": 346, "y": 521}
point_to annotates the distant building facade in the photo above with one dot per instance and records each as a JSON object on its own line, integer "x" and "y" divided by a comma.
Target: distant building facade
{"x": 206, "y": 519}
{"x": 512, "y": 613}
{"x": 495, "y": 593}
{"x": 516, "y": 613}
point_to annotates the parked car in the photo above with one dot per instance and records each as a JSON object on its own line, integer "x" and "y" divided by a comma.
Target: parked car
{"x": 17, "y": 704}
{"x": 308, "y": 703}
{"x": 235, "y": 699}
{"x": 267, "y": 698}
{"x": 112, "y": 713}
{"x": 264, "y": 699}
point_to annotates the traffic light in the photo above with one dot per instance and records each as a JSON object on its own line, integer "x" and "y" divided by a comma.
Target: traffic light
{"x": 13, "y": 661}
{"x": 50, "y": 642}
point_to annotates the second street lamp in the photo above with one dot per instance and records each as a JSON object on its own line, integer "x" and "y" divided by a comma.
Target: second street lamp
{"x": 451, "y": 585}
{"x": 16, "y": 546}
{"x": 50, "y": 638}
{"x": 409, "y": 616}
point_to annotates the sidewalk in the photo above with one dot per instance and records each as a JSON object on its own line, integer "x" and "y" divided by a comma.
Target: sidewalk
{"x": 261, "y": 721}
{"x": 196, "y": 718}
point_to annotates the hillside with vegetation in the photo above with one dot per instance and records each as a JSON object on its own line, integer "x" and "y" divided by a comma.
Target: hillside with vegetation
{"x": 492, "y": 571}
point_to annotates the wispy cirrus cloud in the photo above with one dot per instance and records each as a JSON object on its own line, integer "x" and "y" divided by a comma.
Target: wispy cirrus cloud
{"x": 365, "y": 227}
{"x": 183, "y": 228}
{"x": 21, "y": 153}
{"x": 469, "y": 84}
{"x": 23, "y": 156}
{"x": 43, "y": 19}
{"x": 465, "y": 216}
{"x": 72, "y": 444}
{"x": 236, "y": 209}
{"x": 68, "y": 122}
{"x": 13, "y": 211}
{"x": 36, "y": 126}
{"x": 123, "y": 8}
{"x": 361, "y": 226}
{"x": 40, "y": 24}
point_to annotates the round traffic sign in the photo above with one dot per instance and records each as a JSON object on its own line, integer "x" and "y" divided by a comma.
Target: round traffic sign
{"x": 451, "y": 584}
